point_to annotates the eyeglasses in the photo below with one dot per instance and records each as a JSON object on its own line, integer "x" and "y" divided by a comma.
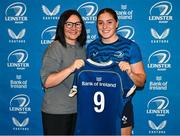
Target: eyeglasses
{"x": 71, "y": 24}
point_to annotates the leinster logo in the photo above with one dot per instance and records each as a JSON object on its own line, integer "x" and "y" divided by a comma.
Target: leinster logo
{"x": 162, "y": 8}
{"x": 119, "y": 54}
{"x": 48, "y": 35}
{"x": 20, "y": 103}
{"x": 88, "y": 11}
{"x": 158, "y": 106}
{"x": 15, "y": 12}
{"x": 160, "y": 12}
{"x": 159, "y": 60}
{"x": 16, "y": 9}
{"x": 126, "y": 31}
{"x": 17, "y": 59}
{"x": 18, "y": 56}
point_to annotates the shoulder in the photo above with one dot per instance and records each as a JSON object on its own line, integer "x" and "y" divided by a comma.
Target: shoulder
{"x": 128, "y": 42}
{"x": 54, "y": 48}
{"x": 94, "y": 43}
{"x": 55, "y": 45}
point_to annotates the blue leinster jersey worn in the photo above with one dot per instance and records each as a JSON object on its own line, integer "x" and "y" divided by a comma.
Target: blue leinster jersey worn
{"x": 101, "y": 96}
{"x": 121, "y": 50}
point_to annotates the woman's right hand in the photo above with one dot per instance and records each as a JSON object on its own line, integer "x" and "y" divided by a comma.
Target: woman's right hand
{"x": 77, "y": 64}
{"x": 58, "y": 77}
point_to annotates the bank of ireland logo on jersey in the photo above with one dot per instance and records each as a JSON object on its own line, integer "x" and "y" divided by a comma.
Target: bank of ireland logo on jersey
{"x": 16, "y": 37}
{"x": 15, "y": 12}
{"x": 160, "y": 12}
{"x": 20, "y": 124}
{"x": 17, "y": 59}
{"x": 51, "y": 14}
{"x": 159, "y": 60}
{"x": 88, "y": 11}
{"x": 48, "y": 35}
{"x": 160, "y": 37}
{"x": 157, "y": 128}
{"x": 98, "y": 79}
{"x": 20, "y": 103}
{"x": 126, "y": 31}
{"x": 158, "y": 106}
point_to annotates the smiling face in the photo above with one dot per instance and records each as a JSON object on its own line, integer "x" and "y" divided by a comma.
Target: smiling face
{"x": 107, "y": 26}
{"x": 72, "y": 29}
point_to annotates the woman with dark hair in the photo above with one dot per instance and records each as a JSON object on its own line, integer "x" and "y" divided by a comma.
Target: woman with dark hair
{"x": 111, "y": 46}
{"x": 63, "y": 56}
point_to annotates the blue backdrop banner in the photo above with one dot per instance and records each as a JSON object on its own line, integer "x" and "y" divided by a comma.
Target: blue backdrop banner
{"x": 28, "y": 27}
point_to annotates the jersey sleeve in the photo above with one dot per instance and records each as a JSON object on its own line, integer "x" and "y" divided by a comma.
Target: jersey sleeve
{"x": 128, "y": 85}
{"x": 135, "y": 54}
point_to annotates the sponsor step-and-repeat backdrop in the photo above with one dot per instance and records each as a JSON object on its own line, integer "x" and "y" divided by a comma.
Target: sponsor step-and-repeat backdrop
{"x": 28, "y": 27}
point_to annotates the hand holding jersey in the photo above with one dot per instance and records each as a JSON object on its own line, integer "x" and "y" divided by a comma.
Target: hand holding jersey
{"x": 110, "y": 46}
{"x": 103, "y": 90}
{"x": 77, "y": 64}
{"x": 124, "y": 66}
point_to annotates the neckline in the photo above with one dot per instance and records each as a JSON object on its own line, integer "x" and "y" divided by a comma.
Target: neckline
{"x": 102, "y": 64}
{"x": 109, "y": 43}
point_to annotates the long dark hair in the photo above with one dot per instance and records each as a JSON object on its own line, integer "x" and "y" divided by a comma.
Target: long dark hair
{"x": 60, "y": 28}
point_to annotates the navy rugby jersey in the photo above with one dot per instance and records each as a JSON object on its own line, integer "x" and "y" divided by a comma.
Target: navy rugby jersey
{"x": 121, "y": 50}
{"x": 102, "y": 91}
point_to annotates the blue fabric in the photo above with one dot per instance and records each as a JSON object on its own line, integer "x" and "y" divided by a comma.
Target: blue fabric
{"x": 121, "y": 50}
{"x": 100, "y": 98}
